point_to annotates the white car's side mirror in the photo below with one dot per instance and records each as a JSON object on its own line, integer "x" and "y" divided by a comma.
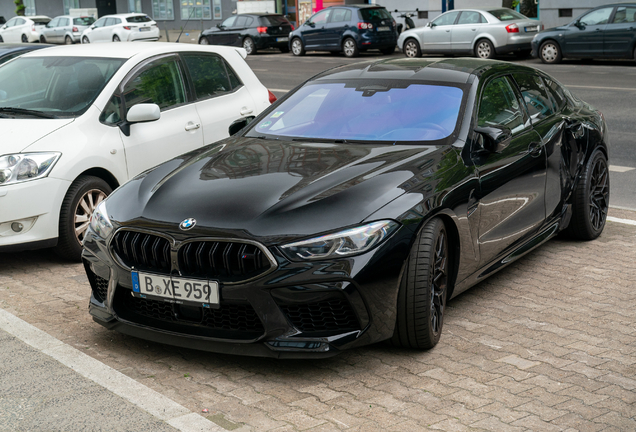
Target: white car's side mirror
{"x": 144, "y": 112}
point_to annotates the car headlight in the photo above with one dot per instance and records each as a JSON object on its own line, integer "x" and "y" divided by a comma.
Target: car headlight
{"x": 21, "y": 167}
{"x": 341, "y": 244}
{"x": 100, "y": 223}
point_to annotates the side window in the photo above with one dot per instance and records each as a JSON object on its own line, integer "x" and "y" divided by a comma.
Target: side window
{"x": 100, "y": 22}
{"x": 249, "y": 22}
{"x": 229, "y": 22}
{"x": 535, "y": 96}
{"x": 112, "y": 111}
{"x": 240, "y": 22}
{"x": 160, "y": 82}
{"x": 597, "y": 17}
{"x": 556, "y": 93}
{"x": 470, "y": 17}
{"x": 208, "y": 75}
{"x": 625, "y": 15}
{"x": 321, "y": 17}
{"x": 65, "y": 22}
{"x": 54, "y": 23}
{"x": 499, "y": 106}
{"x": 116, "y": 21}
{"x": 11, "y": 22}
{"x": 446, "y": 19}
{"x": 340, "y": 15}
{"x": 19, "y": 21}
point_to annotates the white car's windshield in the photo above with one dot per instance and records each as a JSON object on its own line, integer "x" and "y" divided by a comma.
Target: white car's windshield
{"x": 55, "y": 86}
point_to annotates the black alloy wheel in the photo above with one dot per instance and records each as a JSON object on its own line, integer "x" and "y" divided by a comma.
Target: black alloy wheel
{"x": 423, "y": 289}
{"x": 25, "y": 39}
{"x": 591, "y": 200}
{"x": 297, "y": 47}
{"x": 249, "y": 46}
{"x": 412, "y": 48}
{"x": 550, "y": 52}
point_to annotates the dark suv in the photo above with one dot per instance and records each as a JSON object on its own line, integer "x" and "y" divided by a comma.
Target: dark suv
{"x": 251, "y": 31}
{"x": 349, "y": 29}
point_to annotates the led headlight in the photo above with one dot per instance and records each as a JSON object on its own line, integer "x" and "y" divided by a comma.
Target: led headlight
{"x": 21, "y": 167}
{"x": 341, "y": 244}
{"x": 100, "y": 223}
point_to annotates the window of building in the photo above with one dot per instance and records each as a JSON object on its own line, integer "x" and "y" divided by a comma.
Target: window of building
{"x": 29, "y": 7}
{"x": 70, "y": 4}
{"x": 162, "y": 10}
{"x": 422, "y": 14}
{"x": 565, "y": 13}
{"x": 195, "y": 9}
{"x": 134, "y": 5}
{"x": 217, "y": 10}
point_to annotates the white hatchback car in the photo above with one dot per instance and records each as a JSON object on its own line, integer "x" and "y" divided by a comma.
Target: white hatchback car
{"x": 122, "y": 28}
{"x": 23, "y": 29}
{"x": 79, "y": 121}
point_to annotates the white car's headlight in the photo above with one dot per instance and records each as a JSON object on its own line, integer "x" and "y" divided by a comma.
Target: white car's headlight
{"x": 100, "y": 223}
{"x": 21, "y": 167}
{"x": 343, "y": 243}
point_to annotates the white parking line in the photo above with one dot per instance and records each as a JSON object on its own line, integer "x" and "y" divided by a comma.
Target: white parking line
{"x": 620, "y": 169}
{"x": 623, "y": 221}
{"x": 138, "y": 394}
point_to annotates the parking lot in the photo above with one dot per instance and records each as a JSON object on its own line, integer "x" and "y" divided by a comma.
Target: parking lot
{"x": 549, "y": 343}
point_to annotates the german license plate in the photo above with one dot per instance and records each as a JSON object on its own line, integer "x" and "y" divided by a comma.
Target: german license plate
{"x": 144, "y": 28}
{"x": 385, "y": 28}
{"x": 198, "y": 292}
{"x": 532, "y": 28}
{"x": 282, "y": 39}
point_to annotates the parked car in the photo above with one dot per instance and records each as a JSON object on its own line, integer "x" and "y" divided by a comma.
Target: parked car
{"x": 482, "y": 33}
{"x": 605, "y": 32}
{"x": 251, "y": 31}
{"x": 65, "y": 29}
{"x": 350, "y": 212}
{"x": 10, "y": 51}
{"x": 79, "y": 121}
{"x": 349, "y": 29}
{"x": 23, "y": 29}
{"x": 122, "y": 28}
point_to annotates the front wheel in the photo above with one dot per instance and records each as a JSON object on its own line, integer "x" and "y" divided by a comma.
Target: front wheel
{"x": 423, "y": 289}
{"x": 204, "y": 41}
{"x": 82, "y": 198}
{"x": 249, "y": 46}
{"x": 484, "y": 49}
{"x": 412, "y": 48}
{"x": 550, "y": 52}
{"x": 42, "y": 39}
{"x": 591, "y": 200}
{"x": 350, "y": 48}
{"x": 85, "y": 40}
{"x": 297, "y": 47}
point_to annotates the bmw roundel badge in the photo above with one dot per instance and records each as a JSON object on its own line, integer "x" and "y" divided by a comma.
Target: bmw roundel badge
{"x": 187, "y": 224}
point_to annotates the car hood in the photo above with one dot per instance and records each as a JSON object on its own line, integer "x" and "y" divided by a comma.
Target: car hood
{"x": 269, "y": 188}
{"x": 18, "y": 134}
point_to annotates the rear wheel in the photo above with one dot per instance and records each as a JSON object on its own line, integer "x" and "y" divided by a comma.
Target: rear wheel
{"x": 591, "y": 200}
{"x": 68, "y": 40}
{"x": 81, "y": 199}
{"x": 484, "y": 49}
{"x": 116, "y": 38}
{"x": 350, "y": 48}
{"x": 25, "y": 39}
{"x": 423, "y": 289}
{"x": 42, "y": 39}
{"x": 550, "y": 52}
{"x": 85, "y": 40}
{"x": 412, "y": 48}
{"x": 297, "y": 47}
{"x": 249, "y": 46}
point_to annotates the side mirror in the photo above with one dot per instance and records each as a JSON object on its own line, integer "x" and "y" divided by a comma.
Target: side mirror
{"x": 239, "y": 124}
{"x": 495, "y": 138}
{"x": 578, "y": 25}
{"x": 310, "y": 24}
{"x": 219, "y": 26}
{"x": 431, "y": 24}
{"x": 140, "y": 113}
{"x": 4, "y": 27}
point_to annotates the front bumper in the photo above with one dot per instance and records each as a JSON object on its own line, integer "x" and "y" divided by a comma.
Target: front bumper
{"x": 300, "y": 310}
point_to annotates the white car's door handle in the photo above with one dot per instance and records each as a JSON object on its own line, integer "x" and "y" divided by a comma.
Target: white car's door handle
{"x": 192, "y": 126}
{"x": 245, "y": 111}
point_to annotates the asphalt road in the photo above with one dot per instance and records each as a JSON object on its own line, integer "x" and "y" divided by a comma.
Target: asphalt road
{"x": 608, "y": 85}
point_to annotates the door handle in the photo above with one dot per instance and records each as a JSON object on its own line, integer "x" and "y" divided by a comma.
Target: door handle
{"x": 598, "y": 29}
{"x": 447, "y": 31}
{"x": 535, "y": 149}
{"x": 474, "y": 29}
{"x": 192, "y": 126}
{"x": 245, "y": 111}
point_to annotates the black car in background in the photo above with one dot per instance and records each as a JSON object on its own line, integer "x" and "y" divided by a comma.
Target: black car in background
{"x": 349, "y": 29}
{"x": 605, "y": 32}
{"x": 9, "y": 51}
{"x": 350, "y": 211}
{"x": 251, "y": 31}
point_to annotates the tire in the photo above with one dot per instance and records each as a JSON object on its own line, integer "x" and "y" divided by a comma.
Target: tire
{"x": 25, "y": 39}
{"x": 387, "y": 51}
{"x": 1, "y": 39}
{"x": 297, "y": 47}
{"x": 116, "y": 38}
{"x": 284, "y": 50}
{"x": 423, "y": 289}
{"x": 550, "y": 52}
{"x": 591, "y": 199}
{"x": 86, "y": 40}
{"x": 68, "y": 40}
{"x": 42, "y": 39}
{"x": 78, "y": 205}
{"x": 249, "y": 46}
{"x": 484, "y": 49}
{"x": 350, "y": 48}
{"x": 412, "y": 48}
{"x": 204, "y": 41}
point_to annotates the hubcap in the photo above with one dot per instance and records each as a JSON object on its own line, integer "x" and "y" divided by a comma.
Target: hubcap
{"x": 296, "y": 47}
{"x": 599, "y": 195}
{"x": 438, "y": 283}
{"x": 483, "y": 50}
{"x": 549, "y": 52}
{"x": 85, "y": 207}
{"x": 203, "y": 41}
{"x": 410, "y": 49}
{"x": 348, "y": 48}
{"x": 247, "y": 44}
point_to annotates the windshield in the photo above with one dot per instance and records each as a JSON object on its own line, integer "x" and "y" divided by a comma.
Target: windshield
{"x": 61, "y": 86}
{"x": 375, "y": 14}
{"x": 85, "y": 21}
{"x": 365, "y": 110}
{"x": 507, "y": 15}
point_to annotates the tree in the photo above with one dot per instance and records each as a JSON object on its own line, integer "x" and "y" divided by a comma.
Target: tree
{"x": 19, "y": 7}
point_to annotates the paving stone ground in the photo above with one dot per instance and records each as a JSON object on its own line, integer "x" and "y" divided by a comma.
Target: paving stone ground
{"x": 549, "y": 343}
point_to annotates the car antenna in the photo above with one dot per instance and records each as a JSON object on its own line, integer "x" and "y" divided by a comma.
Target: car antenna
{"x": 185, "y": 25}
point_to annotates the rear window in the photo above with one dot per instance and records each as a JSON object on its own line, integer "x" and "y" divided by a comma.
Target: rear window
{"x": 507, "y": 15}
{"x": 84, "y": 21}
{"x": 138, "y": 19}
{"x": 273, "y": 20}
{"x": 41, "y": 21}
{"x": 375, "y": 14}
{"x": 366, "y": 110}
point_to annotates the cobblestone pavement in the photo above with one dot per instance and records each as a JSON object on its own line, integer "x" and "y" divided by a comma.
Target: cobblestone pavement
{"x": 547, "y": 344}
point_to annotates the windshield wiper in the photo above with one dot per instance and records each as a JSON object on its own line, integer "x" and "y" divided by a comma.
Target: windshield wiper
{"x": 35, "y": 113}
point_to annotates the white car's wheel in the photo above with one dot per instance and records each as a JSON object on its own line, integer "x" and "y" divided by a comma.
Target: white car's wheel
{"x": 85, "y": 40}
{"x": 484, "y": 49}
{"x": 116, "y": 38}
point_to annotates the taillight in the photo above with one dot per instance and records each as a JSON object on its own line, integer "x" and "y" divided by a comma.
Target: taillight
{"x": 394, "y": 23}
{"x": 542, "y": 27}
{"x": 127, "y": 27}
{"x": 272, "y": 98}
{"x": 75, "y": 29}
{"x": 261, "y": 29}
{"x": 293, "y": 28}
{"x": 512, "y": 28}
{"x": 365, "y": 26}
{"x": 32, "y": 27}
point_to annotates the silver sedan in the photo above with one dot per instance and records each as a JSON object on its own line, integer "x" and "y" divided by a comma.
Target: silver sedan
{"x": 483, "y": 33}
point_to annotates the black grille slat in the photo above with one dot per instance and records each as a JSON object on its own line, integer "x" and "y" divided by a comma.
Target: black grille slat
{"x": 143, "y": 251}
